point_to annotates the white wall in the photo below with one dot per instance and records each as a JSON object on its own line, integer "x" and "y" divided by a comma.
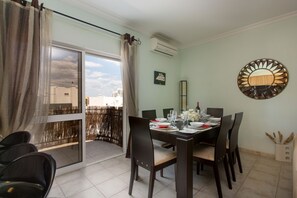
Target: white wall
{"x": 212, "y": 71}
{"x": 74, "y": 33}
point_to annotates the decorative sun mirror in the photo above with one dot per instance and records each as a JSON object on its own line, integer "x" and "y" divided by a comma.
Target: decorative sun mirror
{"x": 263, "y": 78}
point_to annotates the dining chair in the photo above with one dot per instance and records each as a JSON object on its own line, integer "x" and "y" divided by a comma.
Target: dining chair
{"x": 213, "y": 156}
{"x": 144, "y": 154}
{"x": 215, "y": 112}
{"x": 15, "y": 138}
{"x": 149, "y": 114}
{"x": 29, "y": 176}
{"x": 232, "y": 144}
{"x": 166, "y": 112}
{"x": 14, "y": 152}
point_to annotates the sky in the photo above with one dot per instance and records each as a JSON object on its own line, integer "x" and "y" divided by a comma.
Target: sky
{"x": 64, "y": 68}
{"x": 102, "y": 75}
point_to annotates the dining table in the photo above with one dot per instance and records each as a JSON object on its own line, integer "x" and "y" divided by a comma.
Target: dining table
{"x": 184, "y": 143}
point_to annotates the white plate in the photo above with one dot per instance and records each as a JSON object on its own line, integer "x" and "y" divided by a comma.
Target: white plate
{"x": 161, "y": 119}
{"x": 196, "y": 124}
{"x": 212, "y": 123}
{"x": 213, "y": 119}
{"x": 168, "y": 129}
{"x": 192, "y": 127}
{"x": 187, "y": 130}
{"x": 163, "y": 124}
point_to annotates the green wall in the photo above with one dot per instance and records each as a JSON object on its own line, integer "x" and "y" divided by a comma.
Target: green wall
{"x": 151, "y": 96}
{"x": 212, "y": 71}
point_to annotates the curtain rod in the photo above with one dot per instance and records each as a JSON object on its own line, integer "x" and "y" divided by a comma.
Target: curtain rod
{"x": 85, "y": 22}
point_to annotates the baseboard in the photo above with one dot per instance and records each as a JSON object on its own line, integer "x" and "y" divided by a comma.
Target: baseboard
{"x": 268, "y": 155}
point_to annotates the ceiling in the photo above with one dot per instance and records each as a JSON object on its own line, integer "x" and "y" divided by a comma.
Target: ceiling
{"x": 189, "y": 22}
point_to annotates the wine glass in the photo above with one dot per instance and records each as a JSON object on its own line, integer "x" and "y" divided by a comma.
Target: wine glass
{"x": 173, "y": 117}
{"x": 185, "y": 119}
{"x": 169, "y": 117}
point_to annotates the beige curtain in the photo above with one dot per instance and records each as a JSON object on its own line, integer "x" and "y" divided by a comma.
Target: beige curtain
{"x": 24, "y": 67}
{"x": 129, "y": 70}
{"x": 128, "y": 59}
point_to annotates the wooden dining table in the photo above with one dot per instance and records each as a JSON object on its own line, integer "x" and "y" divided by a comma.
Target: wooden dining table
{"x": 184, "y": 143}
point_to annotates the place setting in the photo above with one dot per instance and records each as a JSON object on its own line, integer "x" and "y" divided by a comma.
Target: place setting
{"x": 187, "y": 122}
{"x": 194, "y": 122}
{"x": 165, "y": 124}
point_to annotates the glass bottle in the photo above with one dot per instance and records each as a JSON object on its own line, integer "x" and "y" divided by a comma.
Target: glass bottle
{"x": 198, "y": 108}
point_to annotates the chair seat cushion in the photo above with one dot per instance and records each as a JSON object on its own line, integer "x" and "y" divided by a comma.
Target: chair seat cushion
{"x": 204, "y": 152}
{"x": 163, "y": 155}
{"x": 12, "y": 189}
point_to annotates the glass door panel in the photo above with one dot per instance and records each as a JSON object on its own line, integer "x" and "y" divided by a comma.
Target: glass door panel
{"x": 63, "y": 141}
{"x": 63, "y": 135}
{"x": 104, "y": 108}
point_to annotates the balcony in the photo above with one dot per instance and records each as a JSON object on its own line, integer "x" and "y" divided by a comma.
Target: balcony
{"x": 104, "y": 128}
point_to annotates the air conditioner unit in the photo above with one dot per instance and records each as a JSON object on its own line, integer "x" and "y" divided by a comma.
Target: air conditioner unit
{"x": 163, "y": 47}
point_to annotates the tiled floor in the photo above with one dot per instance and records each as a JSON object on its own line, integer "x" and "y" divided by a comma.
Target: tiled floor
{"x": 95, "y": 151}
{"x": 262, "y": 177}
{"x": 100, "y": 150}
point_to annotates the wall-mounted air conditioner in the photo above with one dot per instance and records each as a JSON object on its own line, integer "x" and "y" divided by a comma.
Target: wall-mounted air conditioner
{"x": 163, "y": 47}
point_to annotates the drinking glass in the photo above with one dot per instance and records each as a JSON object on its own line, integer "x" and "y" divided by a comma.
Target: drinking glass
{"x": 170, "y": 112}
{"x": 169, "y": 117}
{"x": 173, "y": 117}
{"x": 185, "y": 119}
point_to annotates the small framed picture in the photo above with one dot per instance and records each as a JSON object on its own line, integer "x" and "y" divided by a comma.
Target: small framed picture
{"x": 159, "y": 78}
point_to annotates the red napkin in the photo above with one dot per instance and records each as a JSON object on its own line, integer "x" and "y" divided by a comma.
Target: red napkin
{"x": 163, "y": 126}
{"x": 205, "y": 126}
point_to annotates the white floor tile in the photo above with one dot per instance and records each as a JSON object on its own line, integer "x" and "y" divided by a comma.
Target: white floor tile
{"x": 262, "y": 177}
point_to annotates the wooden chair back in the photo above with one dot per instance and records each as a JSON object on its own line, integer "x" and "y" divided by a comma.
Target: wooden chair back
{"x": 233, "y": 139}
{"x": 216, "y": 112}
{"x": 142, "y": 144}
{"x": 149, "y": 114}
{"x": 166, "y": 112}
{"x": 220, "y": 146}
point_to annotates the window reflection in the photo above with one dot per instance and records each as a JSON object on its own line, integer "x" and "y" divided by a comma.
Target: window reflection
{"x": 262, "y": 78}
{"x": 65, "y": 82}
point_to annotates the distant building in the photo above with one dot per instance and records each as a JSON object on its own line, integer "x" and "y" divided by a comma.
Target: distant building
{"x": 116, "y": 100}
{"x": 105, "y": 101}
{"x": 63, "y": 95}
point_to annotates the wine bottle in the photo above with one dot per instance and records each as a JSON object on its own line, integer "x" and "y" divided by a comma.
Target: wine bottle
{"x": 198, "y": 108}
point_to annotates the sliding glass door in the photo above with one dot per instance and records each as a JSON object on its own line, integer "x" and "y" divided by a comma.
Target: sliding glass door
{"x": 64, "y": 131}
{"x": 85, "y": 123}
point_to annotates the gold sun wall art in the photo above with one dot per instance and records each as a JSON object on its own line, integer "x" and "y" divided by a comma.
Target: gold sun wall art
{"x": 263, "y": 78}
